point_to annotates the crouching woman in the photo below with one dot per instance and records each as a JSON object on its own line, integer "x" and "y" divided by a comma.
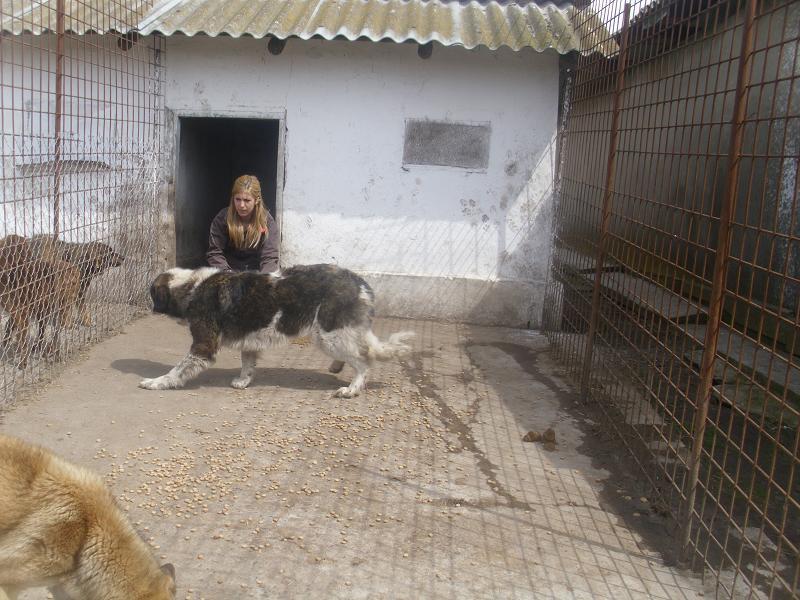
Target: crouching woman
{"x": 244, "y": 236}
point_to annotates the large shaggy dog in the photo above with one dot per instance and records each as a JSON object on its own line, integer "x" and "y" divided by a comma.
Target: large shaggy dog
{"x": 90, "y": 258}
{"x": 34, "y": 290}
{"x": 60, "y": 527}
{"x": 252, "y": 312}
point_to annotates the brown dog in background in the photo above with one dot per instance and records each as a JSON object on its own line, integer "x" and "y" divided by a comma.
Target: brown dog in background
{"x": 61, "y": 527}
{"x": 32, "y": 289}
{"x": 90, "y": 258}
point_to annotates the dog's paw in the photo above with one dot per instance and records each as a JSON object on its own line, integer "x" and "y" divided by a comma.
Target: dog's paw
{"x": 241, "y": 382}
{"x": 345, "y": 392}
{"x": 336, "y": 366}
{"x": 158, "y": 383}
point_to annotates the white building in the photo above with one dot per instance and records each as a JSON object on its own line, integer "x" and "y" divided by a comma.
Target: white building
{"x": 430, "y": 173}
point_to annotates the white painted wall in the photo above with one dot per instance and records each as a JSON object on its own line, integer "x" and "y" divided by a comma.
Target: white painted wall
{"x": 441, "y": 242}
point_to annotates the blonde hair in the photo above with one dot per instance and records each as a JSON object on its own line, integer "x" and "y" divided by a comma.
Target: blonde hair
{"x": 247, "y": 234}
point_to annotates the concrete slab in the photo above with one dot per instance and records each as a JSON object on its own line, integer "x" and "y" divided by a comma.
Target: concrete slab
{"x": 419, "y": 488}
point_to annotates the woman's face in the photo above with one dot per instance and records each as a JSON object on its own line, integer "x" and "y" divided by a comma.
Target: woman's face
{"x": 244, "y": 204}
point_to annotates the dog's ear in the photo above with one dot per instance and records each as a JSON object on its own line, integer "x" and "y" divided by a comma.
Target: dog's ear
{"x": 106, "y": 257}
{"x": 160, "y": 295}
{"x": 14, "y": 250}
{"x": 169, "y": 570}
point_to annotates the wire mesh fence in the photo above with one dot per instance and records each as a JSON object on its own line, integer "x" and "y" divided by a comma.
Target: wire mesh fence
{"x": 675, "y": 274}
{"x": 81, "y": 115}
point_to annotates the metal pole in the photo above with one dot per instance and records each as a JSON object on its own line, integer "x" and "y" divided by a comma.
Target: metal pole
{"x": 720, "y": 269}
{"x": 607, "y": 195}
{"x": 59, "y": 109}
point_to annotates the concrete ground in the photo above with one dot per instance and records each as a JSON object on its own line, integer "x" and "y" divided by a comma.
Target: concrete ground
{"x": 420, "y": 488}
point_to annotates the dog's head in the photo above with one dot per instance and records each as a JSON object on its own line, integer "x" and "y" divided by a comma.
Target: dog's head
{"x": 163, "y": 586}
{"x": 163, "y": 297}
{"x": 14, "y": 251}
{"x": 172, "y": 290}
{"x": 100, "y": 256}
{"x": 138, "y": 578}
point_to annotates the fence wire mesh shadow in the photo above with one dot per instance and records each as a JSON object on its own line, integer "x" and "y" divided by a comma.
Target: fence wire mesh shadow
{"x": 674, "y": 280}
{"x": 82, "y": 111}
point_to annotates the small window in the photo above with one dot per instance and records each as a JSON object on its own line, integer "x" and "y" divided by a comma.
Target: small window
{"x": 446, "y": 144}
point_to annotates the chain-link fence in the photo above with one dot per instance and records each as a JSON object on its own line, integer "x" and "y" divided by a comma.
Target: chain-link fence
{"x": 81, "y": 117}
{"x": 676, "y": 270}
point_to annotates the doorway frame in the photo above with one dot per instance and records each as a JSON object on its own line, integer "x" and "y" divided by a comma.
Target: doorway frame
{"x": 173, "y": 117}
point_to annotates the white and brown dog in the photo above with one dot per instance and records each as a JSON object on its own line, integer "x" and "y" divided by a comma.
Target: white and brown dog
{"x": 252, "y": 312}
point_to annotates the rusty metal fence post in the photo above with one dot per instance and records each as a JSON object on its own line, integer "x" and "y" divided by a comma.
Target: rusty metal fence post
{"x": 720, "y": 268}
{"x": 606, "y": 206}
{"x": 59, "y": 111}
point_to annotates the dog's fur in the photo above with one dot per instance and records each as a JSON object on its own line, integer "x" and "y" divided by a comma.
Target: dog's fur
{"x": 60, "y": 527}
{"x": 252, "y": 312}
{"x": 32, "y": 289}
{"x": 90, "y": 258}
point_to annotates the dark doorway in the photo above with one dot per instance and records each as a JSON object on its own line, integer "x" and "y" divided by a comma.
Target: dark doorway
{"x": 213, "y": 152}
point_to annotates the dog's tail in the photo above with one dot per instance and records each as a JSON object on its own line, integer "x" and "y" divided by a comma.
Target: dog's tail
{"x": 394, "y": 347}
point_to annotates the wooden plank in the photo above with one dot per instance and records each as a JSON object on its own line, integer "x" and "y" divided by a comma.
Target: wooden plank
{"x": 570, "y": 259}
{"x": 650, "y": 296}
{"x": 778, "y": 369}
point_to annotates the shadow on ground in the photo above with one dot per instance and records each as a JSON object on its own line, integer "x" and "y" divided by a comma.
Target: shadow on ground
{"x": 299, "y": 379}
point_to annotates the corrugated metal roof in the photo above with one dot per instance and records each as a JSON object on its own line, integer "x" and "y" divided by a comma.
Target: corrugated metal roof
{"x": 470, "y": 24}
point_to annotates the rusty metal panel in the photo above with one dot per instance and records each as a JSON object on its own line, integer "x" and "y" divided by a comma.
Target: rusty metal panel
{"x": 675, "y": 277}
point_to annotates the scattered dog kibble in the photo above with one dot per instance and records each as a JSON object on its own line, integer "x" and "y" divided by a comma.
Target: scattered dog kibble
{"x": 231, "y": 472}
